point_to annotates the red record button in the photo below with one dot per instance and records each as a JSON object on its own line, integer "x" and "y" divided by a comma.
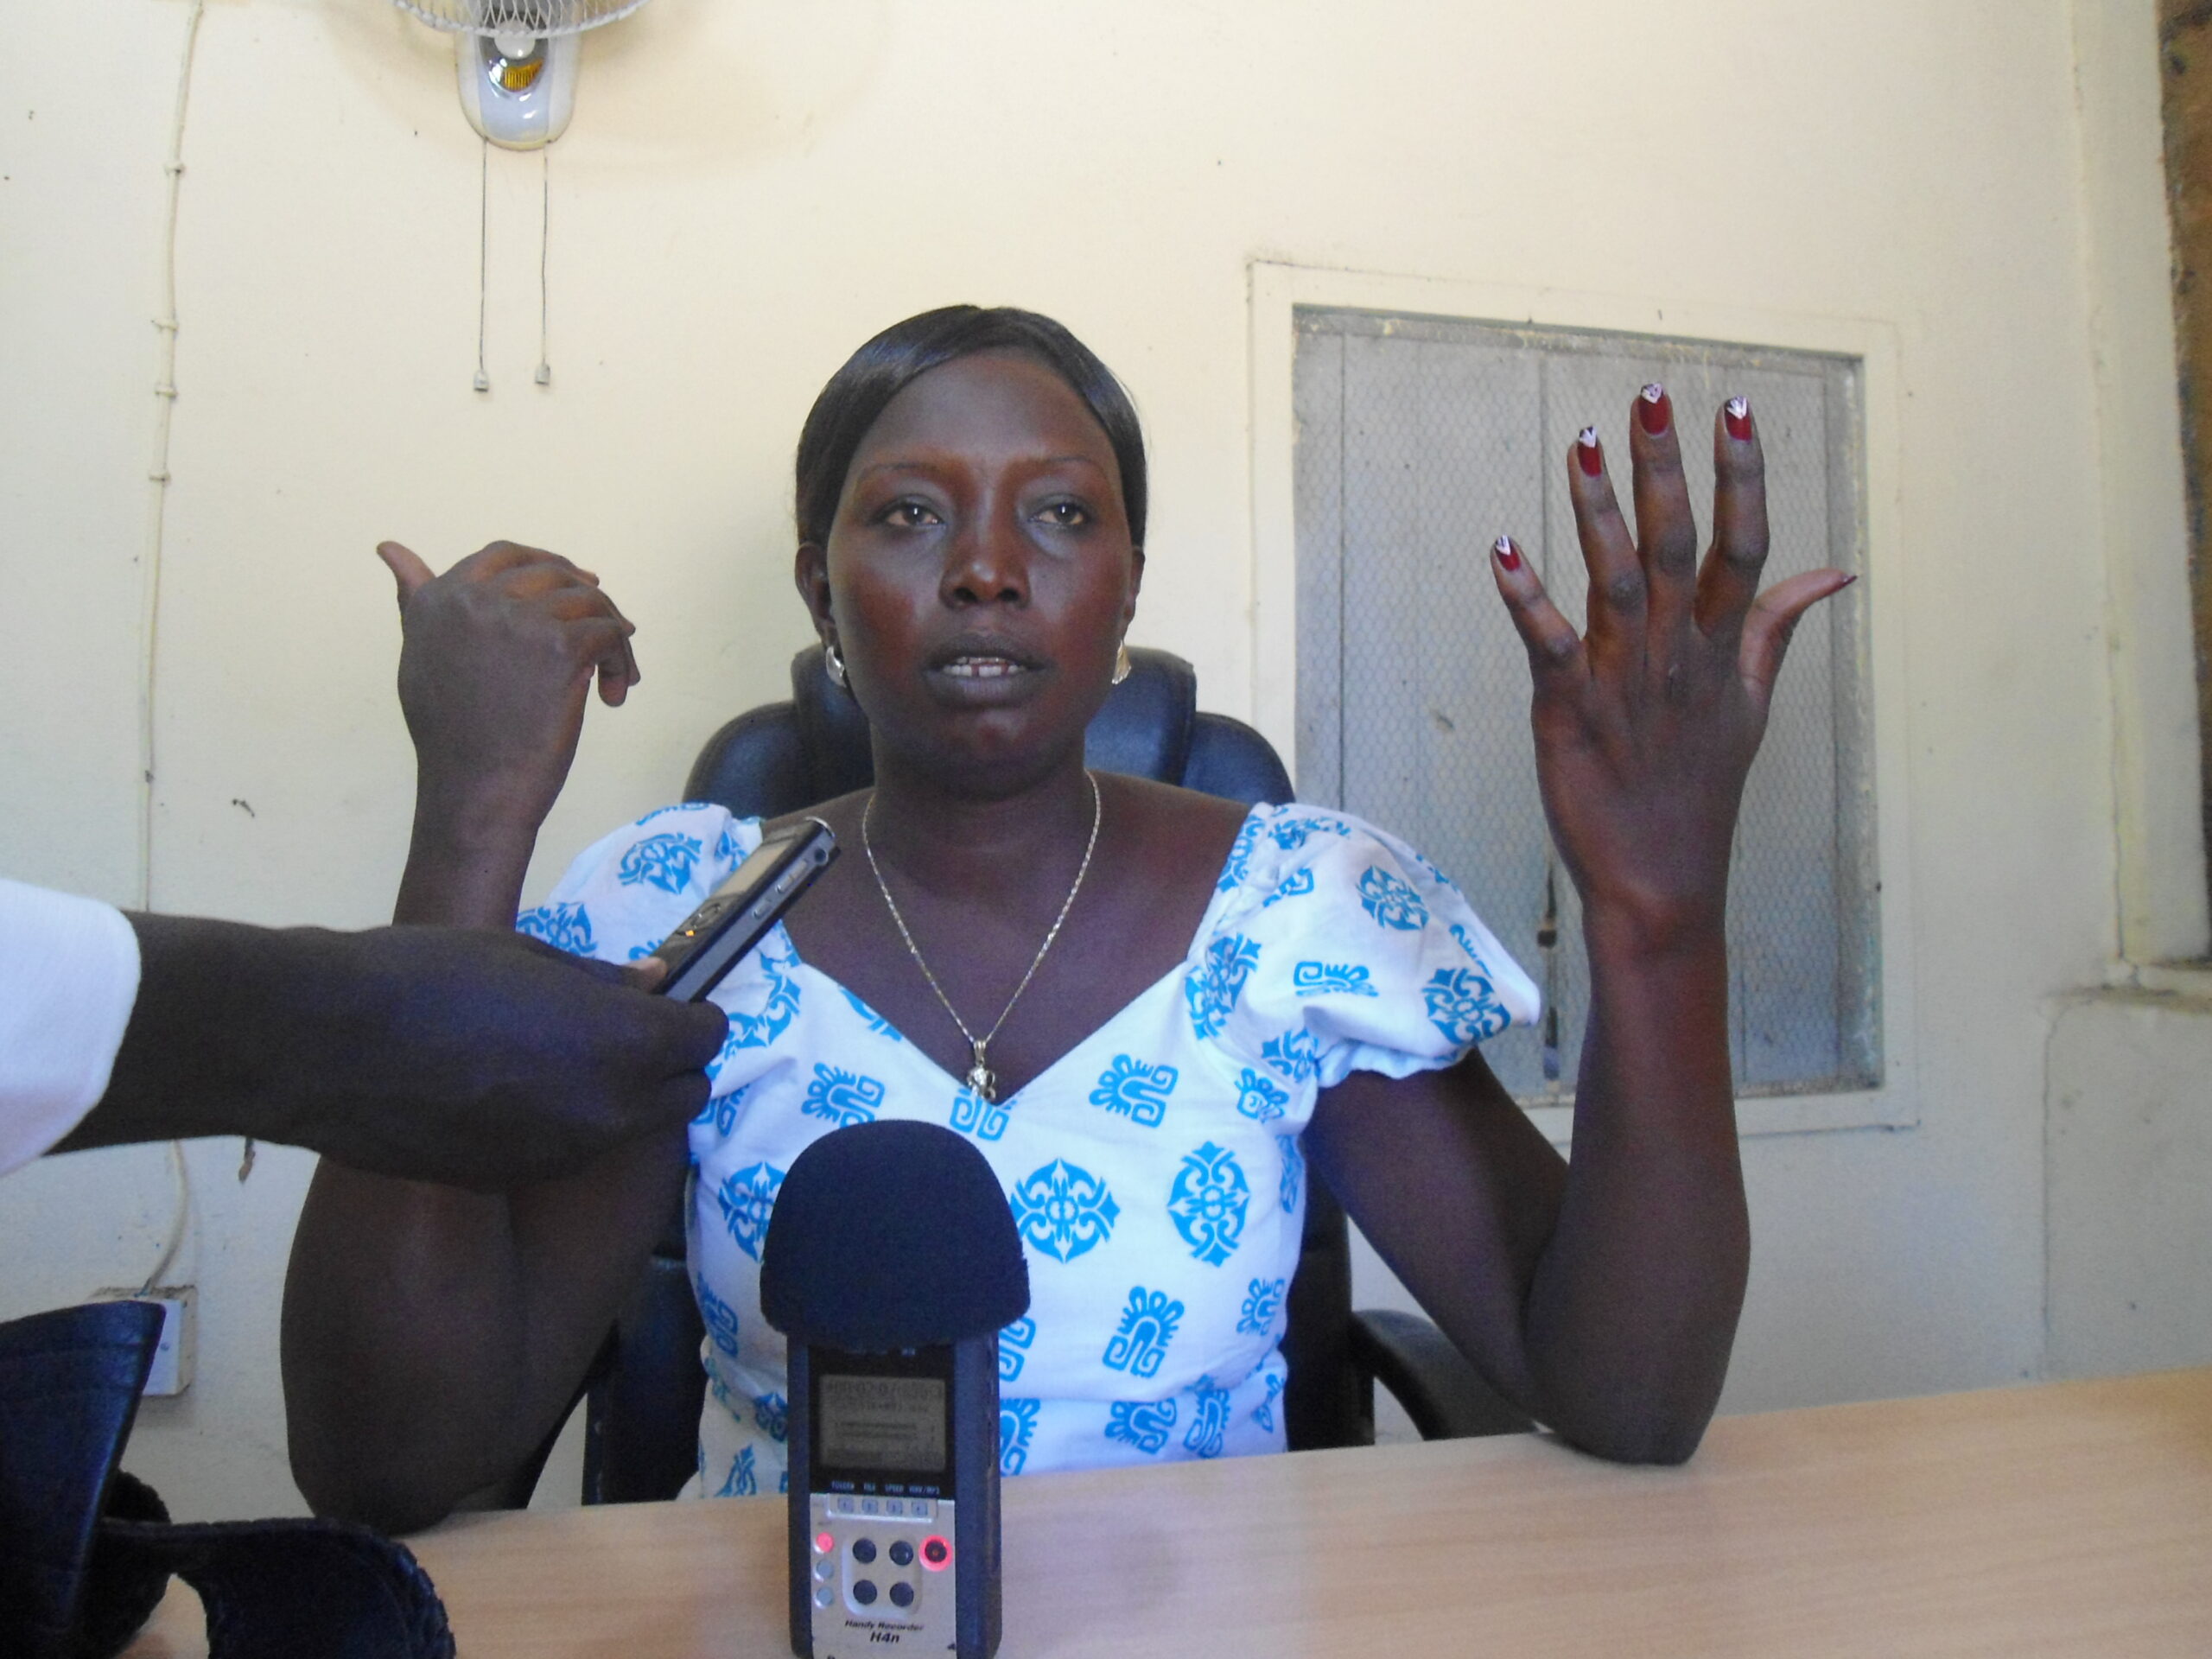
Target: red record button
{"x": 823, "y": 1543}
{"x": 936, "y": 1552}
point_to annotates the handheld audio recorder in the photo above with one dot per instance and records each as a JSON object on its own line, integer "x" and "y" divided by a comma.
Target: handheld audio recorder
{"x": 714, "y": 939}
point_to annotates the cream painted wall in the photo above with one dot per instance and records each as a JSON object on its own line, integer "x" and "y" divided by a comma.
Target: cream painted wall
{"x": 753, "y": 186}
{"x": 2130, "y": 1153}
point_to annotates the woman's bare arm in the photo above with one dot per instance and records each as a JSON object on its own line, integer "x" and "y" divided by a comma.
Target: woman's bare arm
{"x": 1603, "y": 1296}
{"x": 1603, "y": 1302}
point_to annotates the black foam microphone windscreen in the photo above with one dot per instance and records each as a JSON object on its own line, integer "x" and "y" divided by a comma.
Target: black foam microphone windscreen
{"x": 889, "y": 1235}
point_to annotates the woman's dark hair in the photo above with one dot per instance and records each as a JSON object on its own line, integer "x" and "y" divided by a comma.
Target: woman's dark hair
{"x": 902, "y": 353}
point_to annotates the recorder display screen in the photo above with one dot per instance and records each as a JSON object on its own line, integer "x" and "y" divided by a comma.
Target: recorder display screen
{"x": 746, "y": 876}
{"x": 881, "y": 1422}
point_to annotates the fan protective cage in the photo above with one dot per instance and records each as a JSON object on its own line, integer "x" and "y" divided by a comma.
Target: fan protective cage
{"x": 520, "y": 17}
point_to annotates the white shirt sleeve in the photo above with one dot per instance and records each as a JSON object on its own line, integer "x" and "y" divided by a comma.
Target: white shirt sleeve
{"x": 68, "y": 978}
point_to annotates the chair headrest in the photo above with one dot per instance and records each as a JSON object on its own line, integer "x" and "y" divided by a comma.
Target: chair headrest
{"x": 832, "y": 729}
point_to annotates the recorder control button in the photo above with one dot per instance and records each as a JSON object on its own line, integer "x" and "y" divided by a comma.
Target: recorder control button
{"x": 864, "y": 1590}
{"x": 935, "y": 1553}
{"x": 824, "y": 1596}
{"x": 863, "y": 1550}
{"x": 902, "y": 1553}
{"x": 902, "y": 1594}
{"x": 825, "y": 1569}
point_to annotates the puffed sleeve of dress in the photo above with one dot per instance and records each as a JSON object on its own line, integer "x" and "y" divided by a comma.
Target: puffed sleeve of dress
{"x": 1340, "y": 949}
{"x": 625, "y": 893}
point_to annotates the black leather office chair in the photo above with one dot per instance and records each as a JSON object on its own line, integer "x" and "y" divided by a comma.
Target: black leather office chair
{"x": 646, "y": 1390}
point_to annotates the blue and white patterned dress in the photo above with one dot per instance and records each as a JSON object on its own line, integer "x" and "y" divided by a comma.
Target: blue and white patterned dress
{"x": 1154, "y": 1170}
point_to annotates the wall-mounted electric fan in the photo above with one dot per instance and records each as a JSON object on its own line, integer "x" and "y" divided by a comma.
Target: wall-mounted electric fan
{"x": 518, "y": 60}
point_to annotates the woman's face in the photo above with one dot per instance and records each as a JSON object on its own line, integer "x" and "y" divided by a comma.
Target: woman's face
{"x": 979, "y": 574}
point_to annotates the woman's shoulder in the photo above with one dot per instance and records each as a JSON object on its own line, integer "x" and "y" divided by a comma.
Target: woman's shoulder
{"x": 622, "y": 893}
{"x": 1336, "y": 946}
{"x": 1190, "y": 821}
{"x": 1311, "y": 884}
{"x": 673, "y": 849}
{"x": 1311, "y": 849}
{"x": 1254, "y": 856}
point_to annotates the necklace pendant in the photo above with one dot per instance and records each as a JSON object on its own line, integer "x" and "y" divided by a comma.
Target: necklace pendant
{"x": 980, "y": 1078}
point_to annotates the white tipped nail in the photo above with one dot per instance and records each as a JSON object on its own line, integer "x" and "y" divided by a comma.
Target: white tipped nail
{"x": 1587, "y": 437}
{"x": 1738, "y": 408}
{"x": 1653, "y": 393}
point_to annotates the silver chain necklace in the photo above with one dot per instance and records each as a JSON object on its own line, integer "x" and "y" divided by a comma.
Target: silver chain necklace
{"x": 980, "y": 1078}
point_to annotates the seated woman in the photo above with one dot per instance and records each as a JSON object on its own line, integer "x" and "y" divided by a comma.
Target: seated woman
{"x": 1147, "y": 1007}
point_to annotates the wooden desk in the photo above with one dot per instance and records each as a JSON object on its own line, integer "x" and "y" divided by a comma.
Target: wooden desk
{"x": 2072, "y": 1519}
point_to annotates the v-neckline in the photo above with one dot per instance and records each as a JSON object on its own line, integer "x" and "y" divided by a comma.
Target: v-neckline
{"x": 1222, "y": 891}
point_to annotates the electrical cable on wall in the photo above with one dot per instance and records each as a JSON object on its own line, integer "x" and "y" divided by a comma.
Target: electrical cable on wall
{"x": 165, "y": 394}
{"x": 177, "y": 1222}
{"x": 164, "y": 410}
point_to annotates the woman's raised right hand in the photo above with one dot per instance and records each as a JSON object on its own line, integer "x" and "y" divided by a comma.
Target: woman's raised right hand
{"x": 499, "y": 656}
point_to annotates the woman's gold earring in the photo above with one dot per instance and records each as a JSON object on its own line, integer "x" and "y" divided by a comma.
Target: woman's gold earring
{"x": 836, "y": 664}
{"x": 1122, "y": 664}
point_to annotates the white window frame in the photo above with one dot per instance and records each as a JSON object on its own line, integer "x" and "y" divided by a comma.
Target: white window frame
{"x": 1276, "y": 290}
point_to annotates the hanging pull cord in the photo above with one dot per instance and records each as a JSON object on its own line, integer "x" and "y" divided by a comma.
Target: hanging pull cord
{"x": 544, "y": 285}
{"x": 483, "y": 259}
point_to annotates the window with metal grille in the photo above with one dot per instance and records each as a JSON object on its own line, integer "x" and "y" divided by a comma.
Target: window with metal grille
{"x": 1419, "y": 439}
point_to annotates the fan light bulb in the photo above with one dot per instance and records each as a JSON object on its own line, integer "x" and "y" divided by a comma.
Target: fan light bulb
{"x": 518, "y": 90}
{"x": 518, "y": 60}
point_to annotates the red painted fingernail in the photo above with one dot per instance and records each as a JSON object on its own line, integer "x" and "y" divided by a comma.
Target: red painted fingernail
{"x": 1587, "y": 451}
{"x": 1508, "y": 557}
{"x": 1738, "y": 416}
{"x": 1654, "y": 413}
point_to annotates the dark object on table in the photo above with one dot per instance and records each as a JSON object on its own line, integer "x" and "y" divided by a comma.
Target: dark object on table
{"x": 87, "y": 1551}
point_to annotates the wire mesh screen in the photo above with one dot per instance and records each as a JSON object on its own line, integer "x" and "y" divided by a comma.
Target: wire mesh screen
{"x": 1419, "y": 440}
{"x": 520, "y": 17}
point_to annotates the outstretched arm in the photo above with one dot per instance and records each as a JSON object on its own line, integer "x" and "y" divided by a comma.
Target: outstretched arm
{"x": 435, "y": 1054}
{"x": 1603, "y": 1296}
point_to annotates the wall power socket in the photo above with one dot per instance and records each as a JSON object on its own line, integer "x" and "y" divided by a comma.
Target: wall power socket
{"x": 172, "y": 1371}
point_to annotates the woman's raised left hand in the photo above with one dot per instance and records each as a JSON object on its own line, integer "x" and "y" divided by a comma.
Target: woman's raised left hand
{"x": 1647, "y": 722}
